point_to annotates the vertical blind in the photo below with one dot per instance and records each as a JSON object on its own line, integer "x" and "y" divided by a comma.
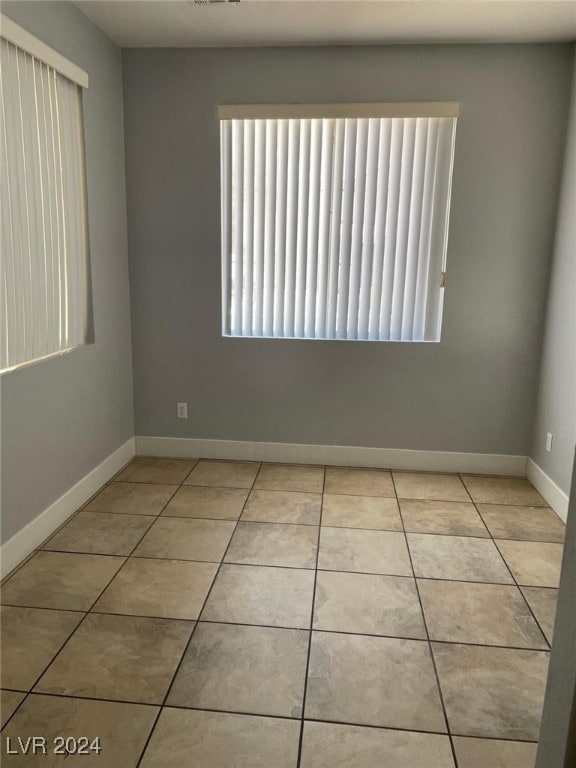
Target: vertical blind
{"x": 335, "y": 227}
{"x": 44, "y": 274}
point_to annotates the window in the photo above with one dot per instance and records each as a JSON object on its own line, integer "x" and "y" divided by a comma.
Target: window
{"x": 44, "y": 272}
{"x": 335, "y": 219}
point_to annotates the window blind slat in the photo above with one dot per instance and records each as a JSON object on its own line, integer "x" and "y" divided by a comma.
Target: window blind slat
{"x": 34, "y": 213}
{"x": 328, "y": 127}
{"x": 9, "y": 337}
{"x": 237, "y": 224}
{"x": 357, "y": 243}
{"x": 367, "y": 254}
{"x": 269, "y": 228}
{"x": 65, "y": 233}
{"x": 291, "y": 225}
{"x": 346, "y": 227}
{"x": 77, "y": 202}
{"x": 302, "y": 229}
{"x": 376, "y": 288}
{"x": 339, "y": 225}
{"x": 50, "y": 201}
{"x": 414, "y": 228}
{"x": 248, "y": 229}
{"x": 421, "y": 289}
{"x": 336, "y": 213}
{"x": 25, "y": 201}
{"x": 43, "y": 238}
{"x": 17, "y": 177}
{"x": 226, "y": 213}
{"x": 403, "y": 227}
{"x": 391, "y": 230}
{"x": 259, "y": 219}
{"x": 313, "y": 228}
{"x": 280, "y": 227}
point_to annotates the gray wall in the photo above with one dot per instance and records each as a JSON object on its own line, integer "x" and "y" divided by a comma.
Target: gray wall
{"x": 557, "y": 397}
{"x": 476, "y": 390}
{"x": 62, "y": 417}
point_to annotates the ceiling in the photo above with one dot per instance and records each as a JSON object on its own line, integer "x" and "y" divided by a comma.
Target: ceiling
{"x": 185, "y": 23}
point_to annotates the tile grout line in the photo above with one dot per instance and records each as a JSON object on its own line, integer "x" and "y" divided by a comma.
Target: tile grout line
{"x": 45, "y": 548}
{"x": 82, "y": 620}
{"x": 197, "y": 621}
{"x": 260, "y": 714}
{"x": 516, "y": 584}
{"x": 284, "y": 626}
{"x": 306, "y": 672}
{"x": 221, "y": 562}
{"x": 429, "y": 643}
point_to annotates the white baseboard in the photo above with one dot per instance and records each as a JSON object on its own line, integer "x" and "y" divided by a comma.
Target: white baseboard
{"x": 553, "y": 494}
{"x": 340, "y": 455}
{"x": 28, "y": 538}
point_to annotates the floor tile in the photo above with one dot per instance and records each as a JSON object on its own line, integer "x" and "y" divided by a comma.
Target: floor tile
{"x": 132, "y": 498}
{"x": 9, "y": 701}
{"x": 359, "y": 482}
{"x": 176, "y": 538}
{"x": 290, "y": 477}
{"x": 283, "y": 507}
{"x": 121, "y": 728}
{"x": 427, "y": 485}
{"x": 201, "y": 501}
{"x": 292, "y": 546}
{"x": 457, "y": 557}
{"x": 506, "y": 521}
{"x": 256, "y": 670}
{"x": 151, "y": 470}
{"x": 448, "y": 517}
{"x": 60, "y": 580}
{"x": 490, "y": 753}
{"x": 170, "y": 589}
{"x": 197, "y": 739}
{"x": 327, "y": 745}
{"x": 229, "y": 474}
{"x": 361, "y": 512}
{"x": 100, "y": 533}
{"x": 369, "y": 605}
{"x": 349, "y": 549}
{"x": 31, "y": 637}
{"x": 543, "y": 601}
{"x": 125, "y": 658}
{"x": 494, "y": 692}
{"x": 503, "y": 490}
{"x": 253, "y": 594}
{"x": 373, "y": 681}
{"x": 489, "y": 614}
{"x": 533, "y": 563}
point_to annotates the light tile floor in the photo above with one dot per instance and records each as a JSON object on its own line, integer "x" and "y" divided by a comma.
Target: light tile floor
{"x": 210, "y": 614}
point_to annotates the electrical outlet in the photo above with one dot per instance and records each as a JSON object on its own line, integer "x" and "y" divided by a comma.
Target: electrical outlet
{"x": 182, "y": 410}
{"x": 549, "y": 442}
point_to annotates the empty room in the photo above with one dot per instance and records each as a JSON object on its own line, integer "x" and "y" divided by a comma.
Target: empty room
{"x": 288, "y": 383}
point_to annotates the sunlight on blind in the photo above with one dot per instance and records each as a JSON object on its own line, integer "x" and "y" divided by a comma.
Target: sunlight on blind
{"x": 44, "y": 265}
{"x": 335, "y": 228}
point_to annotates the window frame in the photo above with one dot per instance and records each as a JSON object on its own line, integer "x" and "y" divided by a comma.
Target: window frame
{"x": 325, "y": 112}
{"x": 23, "y": 40}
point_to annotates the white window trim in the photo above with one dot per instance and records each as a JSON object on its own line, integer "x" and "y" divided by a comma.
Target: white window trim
{"x": 322, "y": 111}
{"x": 237, "y": 234}
{"x": 15, "y": 35}
{"x": 20, "y": 37}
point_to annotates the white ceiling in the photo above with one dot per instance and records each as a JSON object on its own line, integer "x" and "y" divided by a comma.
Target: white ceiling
{"x": 166, "y": 23}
